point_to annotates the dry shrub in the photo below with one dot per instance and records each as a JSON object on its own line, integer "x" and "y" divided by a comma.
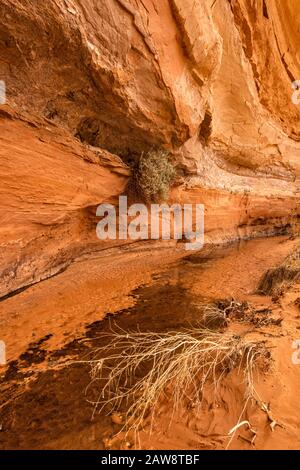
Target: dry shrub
{"x": 154, "y": 175}
{"x": 218, "y": 313}
{"x": 133, "y": 371}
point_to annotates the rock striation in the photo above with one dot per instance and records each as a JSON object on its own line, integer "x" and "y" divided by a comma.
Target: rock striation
{"x": 93, "y": 83}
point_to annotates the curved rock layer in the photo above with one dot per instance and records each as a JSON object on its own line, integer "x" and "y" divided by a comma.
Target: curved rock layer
{"x": 93, "y": 83}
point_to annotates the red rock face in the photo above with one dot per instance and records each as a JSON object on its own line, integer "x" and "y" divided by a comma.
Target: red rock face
{"x": 91, "y": 82}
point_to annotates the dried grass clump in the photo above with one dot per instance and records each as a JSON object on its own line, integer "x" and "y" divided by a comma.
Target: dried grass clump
{"x": 154, "y": 175}
{"x": 221, "y": 312}
{"x": 212, "y": 316}
{"x": 276, "y": 281}
{"x": 133, "y": 371}
{"x": 218, "y": 313}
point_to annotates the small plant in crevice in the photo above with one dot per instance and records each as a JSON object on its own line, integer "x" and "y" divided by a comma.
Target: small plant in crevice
{"x": 154, "y": 175}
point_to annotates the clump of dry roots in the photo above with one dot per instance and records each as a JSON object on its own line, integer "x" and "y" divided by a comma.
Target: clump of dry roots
{"x": 221, "y": 312}
{"x": 133, "y": 370}
{"x": 276, "y": 281}
{"x": 218, "y": 313}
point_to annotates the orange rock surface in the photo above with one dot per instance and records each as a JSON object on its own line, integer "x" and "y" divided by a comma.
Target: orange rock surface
{"x": 90, "y": 86}
{"x": 209, "y": 81}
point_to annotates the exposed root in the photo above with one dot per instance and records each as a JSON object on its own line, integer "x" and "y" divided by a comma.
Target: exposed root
{"x": 273, "y": 423}
{"x": 244, "y": 423}
{"x": 212, "y": 316}
{"x": 221, "y": 312}
{"x": 134, "y": 370}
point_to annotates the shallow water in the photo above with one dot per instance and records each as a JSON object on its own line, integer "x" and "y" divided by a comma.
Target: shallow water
{"x": 59, "y": 414}
{"x": 172, "y": 299}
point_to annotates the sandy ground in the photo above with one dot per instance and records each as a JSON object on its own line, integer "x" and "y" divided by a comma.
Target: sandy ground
{"x": 43, "y": 402}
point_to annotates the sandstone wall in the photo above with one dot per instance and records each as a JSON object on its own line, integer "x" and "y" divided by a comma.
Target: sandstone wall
{"x": 93, "y": 82}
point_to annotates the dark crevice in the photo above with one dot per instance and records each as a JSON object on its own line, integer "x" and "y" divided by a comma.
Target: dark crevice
{"x": 205, "y": 129}
{"x": 265, "y": 10}
{"x": 88, "y": 131}
{"x": 291, "y": 76}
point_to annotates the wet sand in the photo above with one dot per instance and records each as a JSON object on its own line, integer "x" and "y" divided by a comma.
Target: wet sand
{"x": 52, "y": 325}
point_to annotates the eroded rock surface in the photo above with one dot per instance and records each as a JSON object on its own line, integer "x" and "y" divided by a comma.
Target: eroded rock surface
{"x": 91, "y": 83}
